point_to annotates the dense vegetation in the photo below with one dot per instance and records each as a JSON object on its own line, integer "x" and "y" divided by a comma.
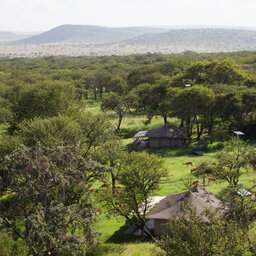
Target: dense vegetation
{"x": 66, "y": 132}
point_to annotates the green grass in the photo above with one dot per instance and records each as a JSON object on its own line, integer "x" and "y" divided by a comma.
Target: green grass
{"x": 127, "y": 249}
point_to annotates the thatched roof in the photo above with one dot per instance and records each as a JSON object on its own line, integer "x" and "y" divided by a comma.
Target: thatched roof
{"x": 166, "y": 131}
{"x": 198, "y": 197}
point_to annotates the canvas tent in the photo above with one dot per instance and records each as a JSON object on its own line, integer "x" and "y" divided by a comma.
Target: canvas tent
{"x": 170, "y": 206}
{"x": 167, "y": 135}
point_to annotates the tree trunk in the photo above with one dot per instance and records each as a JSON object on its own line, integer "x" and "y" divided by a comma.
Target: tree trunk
{"x": 113, "y": 177}
{"x": 188, "y": 124}
{"x": 198, "y": 129}
{"x": 95, "y": 94}
{"x": 142, "y": 224}
{"x": 165, "y": 119}
{"x": 101, "y": 90}
{"x": 119, "y": 123}
{"x": 182, "y": 123}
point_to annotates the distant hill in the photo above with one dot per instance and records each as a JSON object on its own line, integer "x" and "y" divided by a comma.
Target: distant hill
{"x": 76, "y": 40}
{"x": 84, "y": 34}
{"x": 198, "y": 40}
{"x": 6, "y": 36}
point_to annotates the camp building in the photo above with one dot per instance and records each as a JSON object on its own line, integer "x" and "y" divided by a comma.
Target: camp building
{"x": 170, "y": 207}
{"x": 167, "y": 135}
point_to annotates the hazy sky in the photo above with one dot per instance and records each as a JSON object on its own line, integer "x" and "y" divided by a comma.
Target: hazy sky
{"x": 38, "y": 15}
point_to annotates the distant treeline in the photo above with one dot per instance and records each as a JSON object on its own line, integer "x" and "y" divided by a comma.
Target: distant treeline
{"x": 222, "y": 90}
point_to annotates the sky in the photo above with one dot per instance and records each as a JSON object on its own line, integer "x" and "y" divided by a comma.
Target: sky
{"x": 41, "y": 15}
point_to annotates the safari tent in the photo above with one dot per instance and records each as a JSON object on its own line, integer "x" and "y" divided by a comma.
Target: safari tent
{"x": 170, "y": 207}
{"x": 167, "y": 135}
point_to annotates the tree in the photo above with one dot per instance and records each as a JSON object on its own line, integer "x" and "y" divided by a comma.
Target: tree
{"x": 49, "y": 131}
{"x": 211, "y": 72}
{"x": 229, "y": 106}
{"x": 42, "y": 100}
{"x": 235, "y": 156}
{"x": 91, "y": 131}
{"x": 141, "y": 75}
{"x": 97, "y": 80}
{"x": 139, "y": 177}
{"x": 46, "y": 201}
{"x": 151, "y": 96}
{"x": 189, "y": 104}
{"x": 5, "y": 105}
{"x": 116, "y": 103}
{"x": 205, "y": 234}
{"x": 117, "y": 84}
{"x": 111, "y": 154}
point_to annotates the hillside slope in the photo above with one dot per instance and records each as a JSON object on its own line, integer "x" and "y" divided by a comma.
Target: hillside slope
{"x": 198, "y": 40}
{"x": 84, "y": 34}
{"x": 6, "y": 36}
{"x": 71, "y": 40}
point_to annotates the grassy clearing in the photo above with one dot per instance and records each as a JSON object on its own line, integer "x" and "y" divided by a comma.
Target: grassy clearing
{"x": 114, "y": 243}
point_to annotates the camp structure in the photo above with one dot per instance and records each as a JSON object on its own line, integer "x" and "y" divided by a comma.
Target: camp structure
{"x": 170, "y": 207}
{"x": 167, "y": 135}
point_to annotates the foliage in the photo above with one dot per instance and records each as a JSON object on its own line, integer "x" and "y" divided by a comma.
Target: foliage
{"x": 205, "y": 167}
{"x": 139, "y": 177}
{"x": 92, "y": 131}
{"x": 8, "y": 143}
{"x": 231, "y": 159}
{"x": 211, "y": 72}
{"x": 188, "y": 104}
{"x": 239, "y": 207}
{"x": 142, "y": 75}
{"x": 46, "y": 199}
{"x": 205, "y": 234}
{"x": 10, "y": 247}
{"x": 49, "y": 131}
{"x": 41, "y": 100}
{"x": 116, "y": 103}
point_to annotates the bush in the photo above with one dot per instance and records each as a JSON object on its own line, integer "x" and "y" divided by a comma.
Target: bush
{"x": 194, "y": 236}
{"x": 9, "y": 247}
{"x": 205, "y": 167}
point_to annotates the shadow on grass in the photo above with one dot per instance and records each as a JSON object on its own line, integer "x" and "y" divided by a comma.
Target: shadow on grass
{"x": 127, "y": 133}
{"x": 171, "y": 151}
{"x": 118, "y": 237}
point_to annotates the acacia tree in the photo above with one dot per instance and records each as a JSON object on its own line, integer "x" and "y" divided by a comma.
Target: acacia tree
{"x": 41, "y": 100}
{"x": 235, "y": 156}
{"x": 46, "y": 203}
{"x": 210, "y": 72}
{"x": 190, "y": 104}
{"x": 111, "y": 154}
{"x": 151, "y": 96}
{"x": 91, "y": 131}
{"x": 116, "y": 103}
{"x": 139, "y": 177}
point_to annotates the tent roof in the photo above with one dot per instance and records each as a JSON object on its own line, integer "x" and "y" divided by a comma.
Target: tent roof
{"x": 166, "y": 131}
{"x": 198, "y": 197}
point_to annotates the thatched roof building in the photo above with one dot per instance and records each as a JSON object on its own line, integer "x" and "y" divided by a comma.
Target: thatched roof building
{"x": 167, "y": 135}
{"x": 170, "y": 206}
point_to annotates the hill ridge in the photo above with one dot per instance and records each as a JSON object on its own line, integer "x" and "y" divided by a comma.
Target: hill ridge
{"x": 87, "y": 34}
